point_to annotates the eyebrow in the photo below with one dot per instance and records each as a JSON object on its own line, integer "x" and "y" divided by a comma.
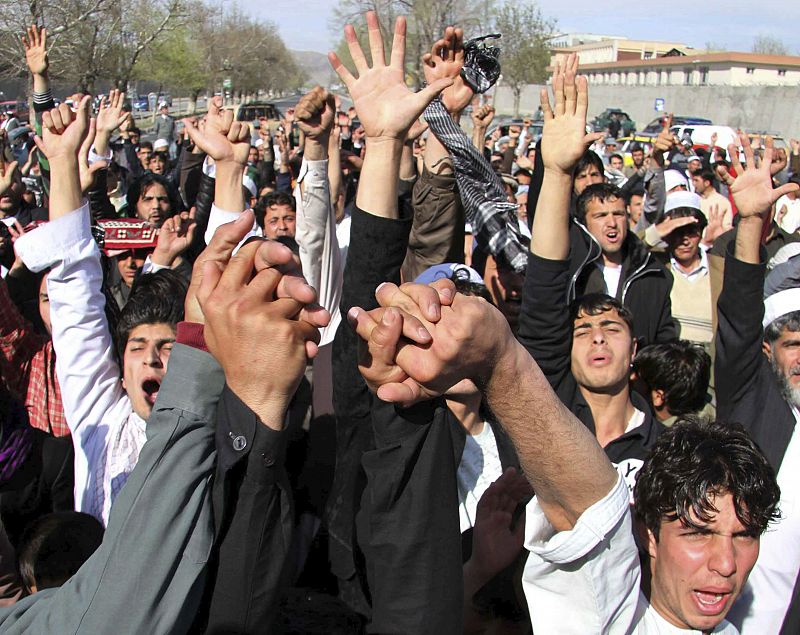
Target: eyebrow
{"x": 144, "y": 340}
{"x": 587, "y": 325}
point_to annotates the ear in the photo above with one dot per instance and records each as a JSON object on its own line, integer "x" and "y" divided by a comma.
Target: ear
{"x": 634, "y": 347}
{"x": 657, "y": 398}
{"x": 651, "y": 544}
{"x": 767, "y": 348}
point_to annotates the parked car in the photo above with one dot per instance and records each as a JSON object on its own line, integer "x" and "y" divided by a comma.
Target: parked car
{"x": 140, "y": 104}
{"x": 701, "y": 135}
{"x": 602, "y": 121}
{"x": 657, "y": 125}
{"x": 626, "y": 143}
{"x": 255, "y": 111}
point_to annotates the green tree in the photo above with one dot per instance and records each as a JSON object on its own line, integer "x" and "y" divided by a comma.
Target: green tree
{"x": 525, "y": 52}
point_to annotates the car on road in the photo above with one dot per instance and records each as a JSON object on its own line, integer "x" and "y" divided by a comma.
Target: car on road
{"x": 140, "y": 104}
{"x": 602, "y": 121}
{"x": 657, "y": 125}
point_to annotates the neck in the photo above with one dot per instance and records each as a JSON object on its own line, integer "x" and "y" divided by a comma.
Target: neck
{"x": 612, "y": 260}
{"x": 611, "y": 412}
{"x": 689, "y": 266}
{"x": 466, "y": 408}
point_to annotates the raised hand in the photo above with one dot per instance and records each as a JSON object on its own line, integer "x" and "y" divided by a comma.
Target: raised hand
{"x": 445, "y": 61}
{"x": 87, "y": 171}
{"x": 564, "y": 137}
{"x": 384, "y": 104}
{"x": 259, "y": 339}
{"x": 715, "y": 228}
{"x": 315, "y": 113}
{"x": 110, "y": 116}
{"x": 664, "y": 142}
{"x": 63, "y": 131}
{"x": 752, "y": 189}
{"x": 174, "y": 237}
{"x": 669, "y": 225}
{"x": 415, "y": 131}
{"x": 483, "y": 116}
{"x": 7, "y": 174}
{"x": 35, "y": 45}
{"x": 222, "y": 138}
{"x": 496, "y": 539}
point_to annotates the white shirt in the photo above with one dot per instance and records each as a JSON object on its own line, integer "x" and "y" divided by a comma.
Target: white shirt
{"x": 586, "y": 580}
{"x": 790, "y": 221}
{"x": 611, "y": 275}
{"x": 765, "y": 599}
{"x": 698, "y": 272}
{"x": 649, "y": 622}
{"x": 107, "y": 435}
{"x": 480, "y": 466}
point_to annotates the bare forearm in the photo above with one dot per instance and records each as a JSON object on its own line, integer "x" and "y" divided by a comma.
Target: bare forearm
{"x": 436, "y": 156}
{"x": 228, "y": 193}
{"x": 377, "y": 186}
{"x": 334, "y": 167}
{"x": 65, "y": 186}
{"x": 316, "y": 149}
{"x": 479, "y": 137}
{"x": 563, "y": 462}
{"x": 41, "y": 83}
{"x": 550, "y": 234}
{"x": 748, "y": 240}
{"x": 408, "y": 170}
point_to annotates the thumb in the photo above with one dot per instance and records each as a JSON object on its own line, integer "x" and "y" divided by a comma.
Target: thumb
{"x": 429, "y": 93}
{"x": 210, "y": 275}
{"x": 590, "y": 138}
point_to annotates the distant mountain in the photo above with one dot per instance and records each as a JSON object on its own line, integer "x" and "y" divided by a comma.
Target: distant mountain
{"x": 316, "y": 66}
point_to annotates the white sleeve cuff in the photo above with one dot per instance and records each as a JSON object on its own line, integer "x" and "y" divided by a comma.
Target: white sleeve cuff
{"x": 150, "y": 267}
{"x": 313, "y": 173}
{"x": 592, "y": 527}
{"x": 94, "y": 157}
{"x": 49, "y": 243}
{"x": 219, "y": 216}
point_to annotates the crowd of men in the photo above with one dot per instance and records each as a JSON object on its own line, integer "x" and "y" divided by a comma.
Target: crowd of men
{"x": 465, "y": 382}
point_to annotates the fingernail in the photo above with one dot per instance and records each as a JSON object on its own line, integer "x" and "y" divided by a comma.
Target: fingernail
{"x": 352, "y": 315}
{"x": 378, "y": 288}
{"x": 447, "y": 293}
{"x": 423, "y": 333}
{"x": 388, "y": 317}
{"x": 433, "y": 308}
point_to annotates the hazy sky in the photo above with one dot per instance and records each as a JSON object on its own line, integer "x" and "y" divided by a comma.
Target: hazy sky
{"x": 730, "y": 23}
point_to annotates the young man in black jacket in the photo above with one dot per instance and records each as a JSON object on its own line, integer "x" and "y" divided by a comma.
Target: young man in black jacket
{"x": 585, "y": 353}
{"x": 757, "y": 369}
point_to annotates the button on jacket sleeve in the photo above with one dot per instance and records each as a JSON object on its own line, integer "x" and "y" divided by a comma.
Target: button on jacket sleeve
{"x": 148, "y": 574}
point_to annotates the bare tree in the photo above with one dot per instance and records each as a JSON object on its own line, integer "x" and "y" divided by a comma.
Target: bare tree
{"x": 769, "y": 45}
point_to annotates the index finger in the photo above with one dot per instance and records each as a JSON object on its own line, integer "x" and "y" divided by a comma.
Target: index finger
{"x": 668, "y": 122}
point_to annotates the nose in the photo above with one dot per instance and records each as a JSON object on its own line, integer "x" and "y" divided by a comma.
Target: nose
{"x": 598, "y": 335}
{"x": 152, "y": 358}
{"x": 722, "y": 558}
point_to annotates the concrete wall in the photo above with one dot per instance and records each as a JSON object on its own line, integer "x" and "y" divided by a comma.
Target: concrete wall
{"x": 771, "y": 108}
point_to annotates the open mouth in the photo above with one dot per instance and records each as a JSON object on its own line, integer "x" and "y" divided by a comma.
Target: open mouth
{"x": 612, "y": 236}
{"x": 711, "y": 602}
{"x": 150, "y": 387}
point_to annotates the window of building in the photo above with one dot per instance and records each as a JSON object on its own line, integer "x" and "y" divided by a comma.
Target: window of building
{"x": 703, "y": 75}
{"x": 687, "y": 76}
{"x": 751, "y": 70}
{"x": 781, "y": 72}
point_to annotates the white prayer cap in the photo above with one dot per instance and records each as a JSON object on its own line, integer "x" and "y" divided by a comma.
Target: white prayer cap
{"x": 673, "y": 178}
{"x": 779, "y": 304}
{"x": 681, "y": 199}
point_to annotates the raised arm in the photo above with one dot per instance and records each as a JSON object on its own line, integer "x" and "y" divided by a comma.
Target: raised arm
{"x": 86, "y": 366}
{"x": 564, "y": 140}
{"x": 228, "y": 143}
{"x": 316, "y": 222}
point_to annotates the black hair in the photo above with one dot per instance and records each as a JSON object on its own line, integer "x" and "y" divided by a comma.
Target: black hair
{"x": 681, "y": 369}
{"x": 135, "y": 130}
{"x": 270, "y": 200}
{"x": 146, "y": 145}
{"x": 597, "y": 303}
{"x": 637, "y": 191}
{"x": 589, "y": 158}
{"x": 636, "y": 147}
{"x": 619, "y": 156}
{"x": 139, "y": 187}
{"x": 695, "y": 460}
{"x": 790, "y": 322}
{"x": 54, "y": 546}
{"x": 155, "y": 298}
{"x": 683, "y": 212}
{"x": 596, "y": 191}
{"x": 706, "y": 175}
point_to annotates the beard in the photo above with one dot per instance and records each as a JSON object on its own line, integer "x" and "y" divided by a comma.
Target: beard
{"x": 788, "y": 390}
